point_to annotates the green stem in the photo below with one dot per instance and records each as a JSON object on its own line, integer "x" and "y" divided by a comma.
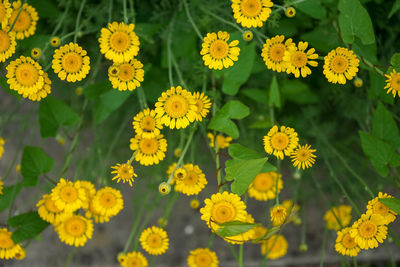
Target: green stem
{"x": 64, "y": 15}
{"x": 222, "y": 20}
{"x": 321, "y": 262}
{"x": 178, "y": 71}
{"x": 210, "y": 240}
{"x": 169, "y": 52}
{"x": 233, "y": 252}
{"x": 142, "y": 98}
{"x": 240, "y": 262}
{"x": 110, "y": 8}
{"x": 78, "y": 19}
{"x": 70, "y": 256}
{"x": 125, "y": 13}
{"x": 16, "y": 18}
{"x": 278, "y": 166}
{"x": 196, "y": 29}
{"x": 354, "y": 261}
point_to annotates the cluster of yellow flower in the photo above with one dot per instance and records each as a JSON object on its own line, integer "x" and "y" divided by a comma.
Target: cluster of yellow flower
{"x": 8, "y": 249}
{"x": 60, "y": 209}
{"x": 189, "y": 179}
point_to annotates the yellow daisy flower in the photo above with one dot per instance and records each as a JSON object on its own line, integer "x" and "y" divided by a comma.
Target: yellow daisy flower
{"x": 146, "y": 123}
{"x": 48, "y": 211}
{"x": 123, "y": 172}
{"x": 193, "y": 182}
{"x": 222, "y": 141}
{"x": 251, "y": 13}
{"x": 243, "y": 237}
{"x": 8, "y": 249}
{"x": 297, "y": 59}
{"x": 194, "y": 204}
{"x": 393, "y": 83}
{"x": 129, "y": 76}
{"x": 150, "y": 151}
{"x": 20, "y": 254}
{"x": 90, "y": 191}
{"x": 275, "y": 247}
{"x": 68, "y": 196}
{"x": 41, "y": 93}
{"x": 273, "y": 52}
{"x": 221, "y": 208}
{"x": 71, "y": 62}
{"x": 202, "y": 257}
{"x": 95, "y": 214}
{"x": 1, "y": 187}
{"x": 108, "y": 201}
{"x": 203, "y": 104}
{"x": 7, "y": 44}
{"x": 55, "y": 41}
{"x": 376, "y": 207}
{"x": 290, "y": 12}
{"x": 154, "y": 240}
{"x": 303, "y": 157}
{"x": 340, "y": 64}
{"x": 263, "y": 186}
{"x": 369, "y": 230}
{"x": 345, "y": 244}
{"x": 25, "y": 24}
{"x": 341, "y": 213}
{"x": 75, "y": 230}
{"x": 216, "y": 51}
{"x": 280, "y": 141}
{"x": 176, "y": 107}
{"x": 133, "y": 259}
{"x": 180, "y": 173}
{"x": 1, "y": 147}
{"x": 278, "y": 215}
{"x": 5, "y": 13}
{"x": 119, "y": 42}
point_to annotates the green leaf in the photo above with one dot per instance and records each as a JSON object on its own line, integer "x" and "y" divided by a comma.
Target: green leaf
{"x": 391, "y": 203}
{"x": 268, "y": 167}
{"x": 395, "y": 60}
{"x": 145, "y": 31}
{"x": 97, "y": 89}
{"x": 354, "y": 21}
{"x": 257, "y": 95}
{"x": 108, "y": 103}
{"x": 324, "y": 38}
{"x": 384, "y": 126}
{"x": 46, "y": 8}
{"x": 29, "y": 225}
{"x": 54, "y": 113}
{"x": 274, "y": 95}
{"x": 239, "y": 73}
{"x": 237, "y": 151}
{"x": 34, "y": 162}
{"x": 312, "y": 8}
{"x": 395, "y": 8}
{"x": 235, "y": 228}
{"x": 298, "y": 92}
{"x": 376, "y": 91}
{"x": 8, "y": 196}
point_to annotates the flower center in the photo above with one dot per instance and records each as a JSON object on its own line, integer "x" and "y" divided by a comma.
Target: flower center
{"x": 395, "y": 82}
{"x": 75, "y": 226}
{"x": 134, "y": 262}
{"x": 72, "y": 62}
{"x": 26, "y": 74}
{"x": 223, "y": 212}
{"x": 191, "y": 178}
{"x": 49, "y": 204}
{"x": 263, "y": 182}
{"x": 5, "y": 240}
{"x": 4, "y": 41}
{"x": 120, "y": 41}
{"x": 219, "y": 49}
{"x": 108, "y": 200}
{"x": 148, "y": 145}
{"x": 148, "y": 124}
{"x": 368, "y": 229}
{"x": 348, "y": 241}
{"x": 154, "y": 240}
{"x": 251, "y": 8}
{"x": 127, "y": 72}
{"x": 69, "y": 193}
{"x": 339, "y": 64}
{"x": 279, "y": 141}
{"x": 180, "y": 173}
{"x": 381, "y": 209}
{"x": 124, "y": 172}
{"x": 277, "y": 51}
{"x": 176, "y": 106}
{"x": 302, "y": 155}
{"x": 299, "y": 59}
{"x": 23, "y": 22}
{"x": 203, "y": 259}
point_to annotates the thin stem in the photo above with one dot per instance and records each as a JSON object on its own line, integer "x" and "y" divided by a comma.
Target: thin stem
{"x": 110, "y": 8}
{"x": 240, "y": 262}
{"x": 278, "y": 163}
{"x": 78, "y": 19}
{"x": 16, "y": 18}
{"x": 210, "y": 240}
{"x": 222, "y": 20}
{"x": 125, "y": 13}
{"x": 178, "y": 71}
{"x": 233, "y": 252}
{"x": 70, "y": 256}
{"x": 196, "y": 29}
{"x": 142, "y": 98}
{"x": 169, "y": 52}
{"x": 64, "y": 15}
{"x": 321, "y": 262}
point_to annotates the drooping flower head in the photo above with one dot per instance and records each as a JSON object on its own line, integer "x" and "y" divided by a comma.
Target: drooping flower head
{"x": 154, "y": 240}
{"x": 251, "y": 13}
{"x": 123, "y": 172}
{"x": 369, "y": 230}
{"x": 75, "y": 230}
{"x": 345, "y": 244}
{"x": 278, "y": 215}
{"x": 193, "y": 182}
{"x": 202, "y": 257}
{"x": 303, "y": 157}
{"x": 340, "y": 64}
{"x": 298, "y": 59}
{"x": 7, "y": 44}
{"x": 273, "y": 52}
{"x": 25, "y": 19}
{"x": 147, "y": 124}
{"x": 264, "y": 187}
{"x": 129, "y": 76}
{"x": 150, "y": 151}
{"x": 280, "y": 141}
{"x": 393, "y": 83}
{"x": 275, "y": 247}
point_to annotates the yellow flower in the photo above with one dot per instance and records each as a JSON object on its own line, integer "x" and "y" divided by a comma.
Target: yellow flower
{"x": 203, "y": 104}
{"x": 275, "y": 247}
{"x": 68, "y": 196}
{"x": 263, "y": 186}
{"x": 273, "y": 52}
{"x": 134, "y": 259}
{"x": 177, "y": 152}
{"x": 222, "y": 141}
{"x": 7, "y": 44}
{"x": 48, "y": 211}
{"x": 278, "y": 215}
{"x": 243, "y": 237}
{"x": 251, "y": 13}
{"x": 1, "y": 147}
{"x": 290, "y": 12}
{"x": 193, "y": 182}
{"x": 297, "y": 59}
{"x": 338, "y": 214}
{"x": 291, "y": 210}
{"x": 176, "y": 107}
{"x": 8, "y": 249}
{"x": 1, "y": 187}
{"x": 303, "y": 157}
{"x": 280, "y": 142}
{"x": 5, "y": 13}
{"x": 194, "y": 204}
{"x": 41, "y": 93}
{"x": 221, "y": 208}
{"x": 119, "y": 42}
{"x": 202, "y": 257}
{"x": 150, "y": 151}
{"x": 75, "y": 230}
{"x": 36, "y": 52}
{"x": 55, "y": 41}
{"x": 259, "y": 232}
{"x": 71, "y": 62}
{"x": 180, "y": 173}
{"x": 340, "y": 64}
{"x": 393, "y": 83}
{"x": 345, "y": 244}
{"x": 247, "y": 36}
{"x": 358, "y": 82}
{"x": 90, "y": 192}
{"x": 146, "y": 124}
{"x": 25, "y": 24}
{"x": 369, "y": 230}
{"x": 154, "y": 240}
{"x": 164, "y": 188}
{"x": 20, "y": 254}
{"x": 128, "y": 76}
{"x": 95, "y": 214}
{"x": 17, "y": 168}
{"x": 216, "y": 51}
{"x": 376, "y": 207}
{"x": 108, "y": 202}
{"x": 123, "y": 172}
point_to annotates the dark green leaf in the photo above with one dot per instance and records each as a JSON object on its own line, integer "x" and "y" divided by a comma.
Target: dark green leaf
{"x": 323, "y": 38}
{"x": 46, "y": 9}
{"x": 97, "y": 89}
{"x": 34, "y": 162}
{"x": 391, "y": 203}
{"x": 384, "y": 126}
{"x": 395, "y": 8}
{"x": 312, "y": 8}
{"x": 376, "y": 91}
{"x": 274, "y": 94}
{"x": 395, "y": 60}
{"x": 8, "y": 196}
{"x": 29, "y": 225}
{"x": 256, "y": 95}
{"x": 108, "y": 103}
{"x": 298, "y": 92}
{"x": 235, "y": 228}
{"x": 237, "y": 151}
